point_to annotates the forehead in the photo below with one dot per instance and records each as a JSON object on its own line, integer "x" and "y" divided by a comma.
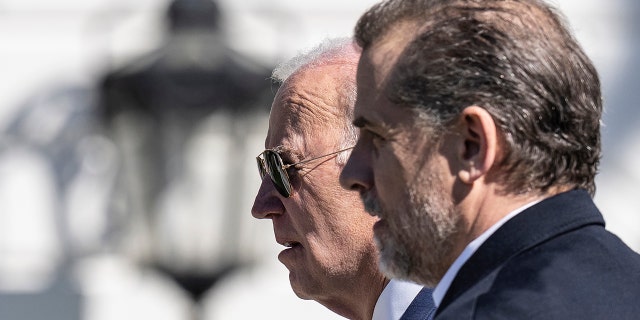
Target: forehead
{"x": 375, "y": 67}
{"x": 384, "y": 51}
{"x": 306, "y": 110}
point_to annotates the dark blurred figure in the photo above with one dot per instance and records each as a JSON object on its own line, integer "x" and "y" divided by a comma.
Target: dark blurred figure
{"x": 181, "y": 117}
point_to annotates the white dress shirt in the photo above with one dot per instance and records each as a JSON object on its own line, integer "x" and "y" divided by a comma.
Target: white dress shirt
{"x": 445, "y": 282}
{"x": 395, "y": 299}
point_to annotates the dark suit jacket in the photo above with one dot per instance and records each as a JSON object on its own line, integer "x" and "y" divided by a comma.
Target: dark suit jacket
{"x": 554, "y": 260}
{"x": 421, "y": 308}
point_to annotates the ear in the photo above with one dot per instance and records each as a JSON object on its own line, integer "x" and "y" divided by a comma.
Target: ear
{"x": 478, "y": 150}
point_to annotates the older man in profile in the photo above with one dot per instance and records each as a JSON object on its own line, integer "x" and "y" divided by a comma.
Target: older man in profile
{"x": 330, "y": 252}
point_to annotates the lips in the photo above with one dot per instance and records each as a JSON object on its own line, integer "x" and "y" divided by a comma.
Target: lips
{"x": 380, "y": 226}
{"x": 287, "y": 237}
{"x": 291, "y": 254}
{"x": 287, "y": 241}
{"x": 290, "y": 244}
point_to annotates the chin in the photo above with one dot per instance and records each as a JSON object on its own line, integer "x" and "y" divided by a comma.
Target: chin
{"x": 297, "y": 289}
{"x": 300, "y": 287}
{"x": 393, "y": 261}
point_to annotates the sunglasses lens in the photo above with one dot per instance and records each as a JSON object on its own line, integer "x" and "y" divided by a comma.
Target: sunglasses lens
{"x": 278, "y": 175}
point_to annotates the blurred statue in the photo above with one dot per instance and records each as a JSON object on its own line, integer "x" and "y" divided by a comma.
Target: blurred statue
{"x": 184, "y": 118}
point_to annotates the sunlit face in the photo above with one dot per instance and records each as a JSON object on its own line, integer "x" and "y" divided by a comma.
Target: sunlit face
{"x": 327, "y": 233}
{"x": 402, "y": 175}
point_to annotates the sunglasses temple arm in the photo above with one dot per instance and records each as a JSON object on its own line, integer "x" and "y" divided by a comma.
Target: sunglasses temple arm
{"x": 316, "y": 158}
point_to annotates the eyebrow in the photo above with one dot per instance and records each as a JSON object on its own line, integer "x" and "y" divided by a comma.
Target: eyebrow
{"x": 360, "y": 122}
{"x": 282, "y": 150}
{"x": 287, "y": 153}
{"x": 379, "y": 128}
{"x": 279, "y": 148}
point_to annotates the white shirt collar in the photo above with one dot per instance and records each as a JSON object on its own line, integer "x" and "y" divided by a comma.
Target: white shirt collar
{"x": 395, "y": 299}
{"x": 445, "y": 282}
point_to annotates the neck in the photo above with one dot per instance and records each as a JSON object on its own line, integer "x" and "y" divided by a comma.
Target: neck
{"x": 359, "y": 300}
{"x": 487, "y": 208}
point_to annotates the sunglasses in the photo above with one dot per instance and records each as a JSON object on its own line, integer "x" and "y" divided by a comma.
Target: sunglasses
{"x": 270, "y": 162}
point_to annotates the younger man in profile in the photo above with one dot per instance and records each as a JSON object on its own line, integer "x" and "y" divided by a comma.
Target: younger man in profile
{"x": 479, "y": 144}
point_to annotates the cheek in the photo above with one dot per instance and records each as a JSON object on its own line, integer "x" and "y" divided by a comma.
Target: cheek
{"x": 321, "y": 186}
{"x": 337, "y": 224}
{"x": 320, "y": 197}
{"x": 339, "y": 218}
{"x": 390, "y": 174}
{"x": 344, "y": 243}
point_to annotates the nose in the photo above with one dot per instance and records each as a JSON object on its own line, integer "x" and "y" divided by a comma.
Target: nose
{"x": 267, "y": 202}
{"x": 356, "y": 174}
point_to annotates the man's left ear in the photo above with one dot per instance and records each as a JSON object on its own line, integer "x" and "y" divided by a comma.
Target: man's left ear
{"x": 478, "y": 143}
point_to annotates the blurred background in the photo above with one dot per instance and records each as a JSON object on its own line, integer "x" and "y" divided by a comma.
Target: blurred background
{"x": 128, "y": 131}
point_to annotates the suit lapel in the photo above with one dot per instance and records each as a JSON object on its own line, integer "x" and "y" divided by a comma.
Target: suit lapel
{"x": 550, "y": 217}
{"x": 421, "y": 308}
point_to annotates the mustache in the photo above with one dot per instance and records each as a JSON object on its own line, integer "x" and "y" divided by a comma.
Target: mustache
{"x": 371, "y": 204}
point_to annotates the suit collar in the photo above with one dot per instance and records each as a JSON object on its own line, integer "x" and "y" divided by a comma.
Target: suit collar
{"x": 395, "y": 298}
{"x": 550, "y": 217}
{"x": 422, "y": 307}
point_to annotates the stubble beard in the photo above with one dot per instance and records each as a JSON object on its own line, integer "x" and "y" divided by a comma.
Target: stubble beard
{"x": 420, "y": 234}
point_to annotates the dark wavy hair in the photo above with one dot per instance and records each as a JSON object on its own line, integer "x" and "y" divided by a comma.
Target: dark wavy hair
{"x": 517, "y": 60}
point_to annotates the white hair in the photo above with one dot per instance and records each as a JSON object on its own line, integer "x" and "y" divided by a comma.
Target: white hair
{"x": 330, "y": 51}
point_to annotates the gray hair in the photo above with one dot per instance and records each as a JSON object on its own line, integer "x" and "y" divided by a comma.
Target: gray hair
{"x": 518, "y": 60}
{"x": 328, "y": 52}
